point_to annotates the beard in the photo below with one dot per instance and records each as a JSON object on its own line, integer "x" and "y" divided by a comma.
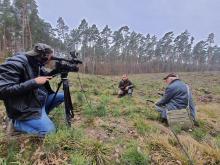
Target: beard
{"x": 42, "y": 59}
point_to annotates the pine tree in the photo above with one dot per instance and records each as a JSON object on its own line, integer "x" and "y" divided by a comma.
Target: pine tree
{"x": 105, "y": 40}
{"x": 84, "y": 35}
{"x": 200, "y": 53}
{"x": 182, "y": 47}
{"x": 62, "y": 29}
{"x": 210, "y": 41}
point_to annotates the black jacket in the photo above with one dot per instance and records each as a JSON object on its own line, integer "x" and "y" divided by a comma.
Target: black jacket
{"x": 21, "y": 94}
{"x": 123, "y": 84}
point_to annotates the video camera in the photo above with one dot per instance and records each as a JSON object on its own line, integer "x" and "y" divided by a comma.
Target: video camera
{"x": 63, "y": 65}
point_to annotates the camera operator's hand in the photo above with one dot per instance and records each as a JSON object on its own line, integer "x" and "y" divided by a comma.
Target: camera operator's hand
{"x": 42, "y": 79}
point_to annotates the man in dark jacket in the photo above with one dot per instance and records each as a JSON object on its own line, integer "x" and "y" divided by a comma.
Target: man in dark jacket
{"x": 125, "y": 86}
{"x": 176, "y": 96}
{"x": 25, "y": 90}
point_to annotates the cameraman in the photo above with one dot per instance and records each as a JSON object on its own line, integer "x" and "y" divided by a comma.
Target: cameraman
{"x": 125, "y": 86}
{"x": 26, "y": 92}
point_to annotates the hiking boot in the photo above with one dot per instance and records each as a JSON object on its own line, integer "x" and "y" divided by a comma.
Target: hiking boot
{"x": 163, "y": 120}
{"x": 119, "y": 96}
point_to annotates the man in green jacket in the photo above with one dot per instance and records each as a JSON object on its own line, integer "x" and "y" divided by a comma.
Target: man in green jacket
{"x": 125, "y": 86}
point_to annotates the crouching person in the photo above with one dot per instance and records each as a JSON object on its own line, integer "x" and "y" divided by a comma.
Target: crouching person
{"x": 175, "y": 97}
{"x": 26, "y": 92}
{"x": 125, "y": 86}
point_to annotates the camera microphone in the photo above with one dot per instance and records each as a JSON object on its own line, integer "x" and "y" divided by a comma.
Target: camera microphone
{"x": 73, "y": 61}
{"x": 55, "y": 58}
{"x": 58, "y": 59}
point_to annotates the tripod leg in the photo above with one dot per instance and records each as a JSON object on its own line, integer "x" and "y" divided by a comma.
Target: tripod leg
{"x": 59, "y": 85}
{"x": 68, "y": 102}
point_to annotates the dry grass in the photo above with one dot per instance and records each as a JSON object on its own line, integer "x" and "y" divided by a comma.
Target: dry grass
{"x": 209, "y": 111}
{"x": 114, "y": 129}
{"x": 164, "y": 150}
{"x": 202, "y": 153}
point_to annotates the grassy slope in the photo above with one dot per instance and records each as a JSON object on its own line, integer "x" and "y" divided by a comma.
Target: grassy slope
{"x": 125, "y": 130}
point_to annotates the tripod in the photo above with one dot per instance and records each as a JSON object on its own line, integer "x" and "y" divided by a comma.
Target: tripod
{"x": 69, "y": 114}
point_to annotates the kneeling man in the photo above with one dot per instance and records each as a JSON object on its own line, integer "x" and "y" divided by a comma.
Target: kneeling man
{"x": 125, "y": 86}
{"x": 176, "y": 96}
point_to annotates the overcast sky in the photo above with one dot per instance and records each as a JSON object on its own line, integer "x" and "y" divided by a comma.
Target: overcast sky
{"x": 199, "y": 17}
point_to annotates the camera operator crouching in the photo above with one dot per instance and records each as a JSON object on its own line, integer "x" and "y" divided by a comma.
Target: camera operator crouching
{"x": 26, "y": 92}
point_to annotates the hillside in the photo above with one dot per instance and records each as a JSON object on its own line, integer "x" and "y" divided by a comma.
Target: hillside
{"x": 122, "y": 130}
